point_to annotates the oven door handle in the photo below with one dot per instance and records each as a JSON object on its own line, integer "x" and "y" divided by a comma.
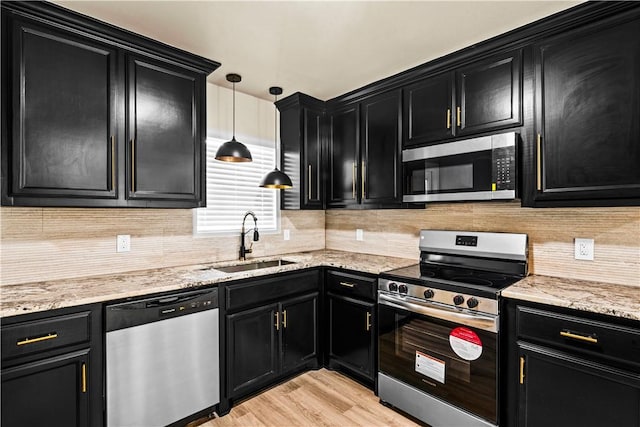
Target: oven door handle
{"x": 476, "y": 320}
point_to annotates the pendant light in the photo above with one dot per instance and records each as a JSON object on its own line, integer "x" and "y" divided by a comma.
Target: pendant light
{"x": 233, "y": 151}
{"x": 276, "y": 179}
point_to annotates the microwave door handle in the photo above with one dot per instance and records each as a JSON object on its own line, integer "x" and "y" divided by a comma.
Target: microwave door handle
{"x": 486, "y": 323}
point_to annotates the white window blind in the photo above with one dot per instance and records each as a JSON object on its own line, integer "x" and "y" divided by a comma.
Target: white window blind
{"x": 232, "y": 190}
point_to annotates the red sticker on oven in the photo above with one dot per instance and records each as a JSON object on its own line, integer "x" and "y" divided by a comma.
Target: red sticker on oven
{"x": 465, "y": 343}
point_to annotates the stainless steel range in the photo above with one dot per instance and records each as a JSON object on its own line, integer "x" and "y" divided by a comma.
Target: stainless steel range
{"x": 438, "y": 326}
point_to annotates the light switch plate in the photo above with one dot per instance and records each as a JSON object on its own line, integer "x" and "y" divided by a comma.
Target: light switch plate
{"x": 359, "y": 234}
{"x": 286, "y": 234}
{"x": 584, "y": 249}
{"x": 123, "y": 243}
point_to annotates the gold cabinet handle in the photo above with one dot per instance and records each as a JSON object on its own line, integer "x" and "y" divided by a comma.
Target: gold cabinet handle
{"x": 49, "y": 336}
{"x": 521, "y": 370}
{"x": 277, "y": 320}
{"x": 539, "y": 163}
{"x": 133, "y": 165}
{"x": 84, "y": 377}
{"x": 347, "y": 284}
{"x": 586, "y": 338}
{"x": 309, "y": 181}
{"x": 368, "y": 321}
{"x": 459, "y": 114}
{"x": 113, "y": 163}
{"x": 448, "y": 118}
{"x": 284, "y": 319}
{"x": 353, "y": 180}
{"x": 363, "y": 180}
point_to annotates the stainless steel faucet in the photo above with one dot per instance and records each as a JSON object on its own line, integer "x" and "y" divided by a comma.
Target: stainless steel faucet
{"x": 256, "y": 236}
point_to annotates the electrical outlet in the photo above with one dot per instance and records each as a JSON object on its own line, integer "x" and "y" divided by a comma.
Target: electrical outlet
{"x": 286, "y": 234}
{"x": 584, "y": 249}
{"x": 123, "y": 243}
{"x": 359, "y": 234}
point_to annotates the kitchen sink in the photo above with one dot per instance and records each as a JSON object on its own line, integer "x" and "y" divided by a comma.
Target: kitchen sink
{"x": 257, "y": 265}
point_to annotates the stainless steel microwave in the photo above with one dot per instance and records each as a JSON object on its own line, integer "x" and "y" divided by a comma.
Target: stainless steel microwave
{"x": 481, "y": 168}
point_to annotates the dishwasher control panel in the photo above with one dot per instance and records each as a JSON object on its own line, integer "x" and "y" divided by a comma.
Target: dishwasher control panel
{"x": 138, "y": 312}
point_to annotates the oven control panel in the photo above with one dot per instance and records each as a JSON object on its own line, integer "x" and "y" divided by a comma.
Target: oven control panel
{"x": 438, "y": 296}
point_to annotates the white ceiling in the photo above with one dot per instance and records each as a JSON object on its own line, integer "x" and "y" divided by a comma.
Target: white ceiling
{"x": 321, "y": 48}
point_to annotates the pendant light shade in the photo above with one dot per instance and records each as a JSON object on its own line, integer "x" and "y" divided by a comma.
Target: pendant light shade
{"x": 233, "y": 151}
{"x": 276, "y": 179}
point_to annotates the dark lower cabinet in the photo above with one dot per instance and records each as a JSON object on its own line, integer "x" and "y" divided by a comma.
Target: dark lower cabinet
{"x": 587, "y": 104}
{"x": 299, "y": 331}
{"x": 51, "y": 373}
{"x": 351, "y": 335}
{"x": 351, "y": 342}
{"x": 569, "y": 368}
{"x": 560, "y": 390}
{"x": 50, "y": 392}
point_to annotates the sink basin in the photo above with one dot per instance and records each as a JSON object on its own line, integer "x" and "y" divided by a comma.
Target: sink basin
{"x": 252, "y": 266}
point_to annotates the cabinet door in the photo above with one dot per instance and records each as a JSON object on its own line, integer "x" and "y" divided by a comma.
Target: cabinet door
{"x": 313, "y": 188}
{"x": 587, "y": 108}
{"x": 343, "y": 183}
{"x": 381, "y": 147}
{"x": 50, "y": 392}
{"x": 299, "y": 329}
{"x": 252, "y": 349}
{"x": 351, "y": 334}
{"x": 164, "y": 141}
{"x": 560, "y": 390}
{"x": 488, "y": 94}
{"x": 63, "y": 129}
{"x": 428, "y": 110}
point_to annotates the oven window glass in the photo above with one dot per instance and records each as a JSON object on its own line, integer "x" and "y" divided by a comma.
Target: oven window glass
{"x": 417, "y": 350}
{"x": 466, "y": 172}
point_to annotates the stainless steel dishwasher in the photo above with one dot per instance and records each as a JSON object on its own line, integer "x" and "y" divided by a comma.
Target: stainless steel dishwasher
{"x": 162, "y": 359}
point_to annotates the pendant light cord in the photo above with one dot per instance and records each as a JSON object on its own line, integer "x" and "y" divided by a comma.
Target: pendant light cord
{"x": 234, "y": 110}
{"x": 275, "y": 129}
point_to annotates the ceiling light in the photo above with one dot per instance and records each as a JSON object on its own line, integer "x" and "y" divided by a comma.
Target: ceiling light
{"x": 276, "y": 179}
{"x": 233, "y": 151}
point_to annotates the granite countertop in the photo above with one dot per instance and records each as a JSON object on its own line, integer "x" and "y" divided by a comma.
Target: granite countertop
{"x": 596, "y": 297}
{"x": 48, "y": 295}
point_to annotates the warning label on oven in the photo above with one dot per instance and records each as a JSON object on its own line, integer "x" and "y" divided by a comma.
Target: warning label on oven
{"x": 465, "y": 343}
{"x": 430, "y": 366}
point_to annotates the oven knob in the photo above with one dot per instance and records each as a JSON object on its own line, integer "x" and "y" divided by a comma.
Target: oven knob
{"x": 458, "y": 299}
{"x": 428, "y": 294}
{"x": 472, "y": 302}
{"x": 403, "y": 289}
{"x": 393, "y": 287}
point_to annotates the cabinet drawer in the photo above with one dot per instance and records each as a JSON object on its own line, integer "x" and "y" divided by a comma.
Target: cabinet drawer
{"x": 583, "y": 336}
{"x": 45, "y": 334}
{"x": 352, "y": 285}
{"x": 263, "y": 291}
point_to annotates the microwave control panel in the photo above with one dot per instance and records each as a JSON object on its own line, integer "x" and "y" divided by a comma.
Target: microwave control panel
{"x": 504, "y": 168}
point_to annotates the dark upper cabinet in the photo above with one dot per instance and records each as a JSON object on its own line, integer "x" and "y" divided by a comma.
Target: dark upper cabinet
{"x": 428, "y": 109}
{"x": 364, "y": 147}
{"x": 164, "y": 137}
{"x": 302, "y": 155}
{"x": 478, "y": 97}
{"x": 488, "y": 94}
{"x": 88, "y": 122}
{"x": 587, "y": 104}
{"x": 381, "y": 145}
{"x": 343, "y": 157}
{"x": 63, "y": 129}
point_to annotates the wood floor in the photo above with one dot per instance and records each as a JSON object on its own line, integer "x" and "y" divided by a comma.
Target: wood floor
{"x": 315, "y": 398}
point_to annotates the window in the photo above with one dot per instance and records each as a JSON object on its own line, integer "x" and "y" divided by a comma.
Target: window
{"x": 232, "y": 190}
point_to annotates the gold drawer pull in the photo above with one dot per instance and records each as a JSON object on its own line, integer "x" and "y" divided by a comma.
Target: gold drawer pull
{"x": 448, "y": 118}
{"x": 353, "y": 180}
{"x": 113, "y": 163}
{"x": 348, "y": 285}
{"x": 284, "y": 319}
{"x": 39, "y": 339}
{"x": 459, "y": 111}
{"x": 539, "y": 163}
{"x": 133, "y": 166}
{"x": 568, "y": 334}
{"x": 521, "y": 370}
{"x": 368, "y": 321}
{"x": 277, "y": 320}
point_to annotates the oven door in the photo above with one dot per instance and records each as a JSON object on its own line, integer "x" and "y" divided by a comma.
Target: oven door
{"x": 447, "y": 353}
{"x": 475, "y": 169}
